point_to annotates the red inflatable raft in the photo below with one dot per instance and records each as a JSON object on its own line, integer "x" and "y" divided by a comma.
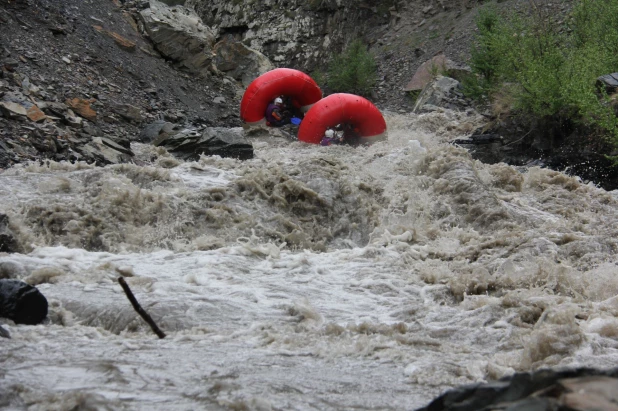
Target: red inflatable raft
{"x": 282, "y": 81}
{"x": 343, "y": 108}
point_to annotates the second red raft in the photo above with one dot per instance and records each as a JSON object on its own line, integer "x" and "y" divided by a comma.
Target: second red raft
{"x": 343, "y": 108}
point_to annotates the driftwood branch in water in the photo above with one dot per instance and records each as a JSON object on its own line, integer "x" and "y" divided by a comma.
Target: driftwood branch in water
{"x": 139, "y": 308}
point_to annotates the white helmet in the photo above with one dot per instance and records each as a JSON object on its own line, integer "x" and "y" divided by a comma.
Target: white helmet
{"x": 278, "y": 100}
{"x": 329, "y": 133}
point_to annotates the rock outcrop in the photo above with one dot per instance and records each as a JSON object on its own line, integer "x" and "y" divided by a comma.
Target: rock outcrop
{"x": 239, "y": 61}
{"x": 299, "y": 34}
{"x": 178, "y": 33}
{"x": 189, "y": 144}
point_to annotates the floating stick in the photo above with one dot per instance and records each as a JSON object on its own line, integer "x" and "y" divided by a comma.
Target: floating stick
{"x": 139, "y": 308}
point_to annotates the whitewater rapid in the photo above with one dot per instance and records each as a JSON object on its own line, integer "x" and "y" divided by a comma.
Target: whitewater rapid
{"x": 309, "y": 277}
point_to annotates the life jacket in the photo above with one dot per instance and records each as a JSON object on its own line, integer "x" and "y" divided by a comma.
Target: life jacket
{"x": 272, "y": 112}
{"x": 328, "y": 141}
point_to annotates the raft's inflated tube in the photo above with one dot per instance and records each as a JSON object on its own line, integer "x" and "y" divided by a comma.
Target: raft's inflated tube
{"x": 277, "y": 82}
{"x": 343, "y": 108}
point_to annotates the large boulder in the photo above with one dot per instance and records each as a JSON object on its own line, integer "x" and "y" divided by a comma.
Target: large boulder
{"x": 239, "y": 61}
{"x": 189, "y": 144}
{"x": 22, "y": 302}
{"x": 178, "y": 33}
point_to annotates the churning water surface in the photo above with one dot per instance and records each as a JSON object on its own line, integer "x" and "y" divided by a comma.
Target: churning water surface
{"x": 307, "y": 278}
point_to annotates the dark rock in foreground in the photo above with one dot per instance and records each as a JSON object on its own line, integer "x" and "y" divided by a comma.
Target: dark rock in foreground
{"x": 189, "y": 144}
{"x": 543, "y": 390}
{"x": 22, "y": 302}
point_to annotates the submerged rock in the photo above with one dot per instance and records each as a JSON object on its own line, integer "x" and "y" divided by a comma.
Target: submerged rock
{"x": 22, "y": 302}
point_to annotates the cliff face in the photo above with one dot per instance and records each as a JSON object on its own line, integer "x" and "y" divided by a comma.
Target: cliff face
{"x": 304, "y": 34}
{"x": 296, "y": 33}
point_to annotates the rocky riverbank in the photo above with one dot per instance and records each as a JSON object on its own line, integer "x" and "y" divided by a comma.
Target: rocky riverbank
{"x": 80, "y": 82}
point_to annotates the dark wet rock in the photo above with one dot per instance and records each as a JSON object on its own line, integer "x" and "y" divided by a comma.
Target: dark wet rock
{"x": 190, "y": 144}
{"x": 8, "y": 241}
{"x": 583, "y": 389}
{"x": 21, "y": 302}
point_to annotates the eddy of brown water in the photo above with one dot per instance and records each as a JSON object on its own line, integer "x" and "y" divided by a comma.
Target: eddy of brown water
{"x": 306, "y": 278}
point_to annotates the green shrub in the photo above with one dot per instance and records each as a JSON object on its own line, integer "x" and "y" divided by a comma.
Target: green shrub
{"x": 551, "y": 70}
{"x": 319, "y": 77}
{"x": 353, "y": 71}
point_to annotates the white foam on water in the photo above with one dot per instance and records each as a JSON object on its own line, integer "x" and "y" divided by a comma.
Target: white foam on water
{"x": 306, "y": 278}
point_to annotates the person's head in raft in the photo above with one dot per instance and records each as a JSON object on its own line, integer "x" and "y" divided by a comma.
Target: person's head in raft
{"x": 329, "y": 138}
{"x": 279, "y": 101}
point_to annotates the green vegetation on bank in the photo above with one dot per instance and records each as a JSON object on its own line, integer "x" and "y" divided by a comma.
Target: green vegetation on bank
{"x": 353, "y": 71}
{"x": 547, "y": 68}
